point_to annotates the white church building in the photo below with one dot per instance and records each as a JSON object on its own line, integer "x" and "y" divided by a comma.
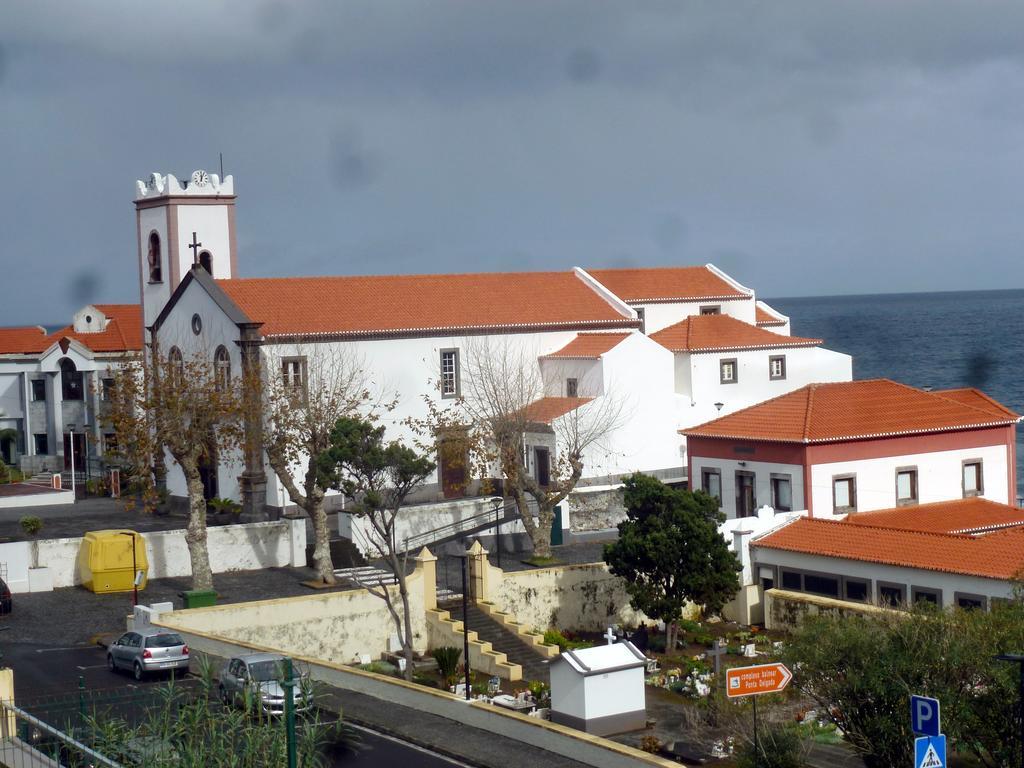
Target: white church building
{"x": 676, "y": 345}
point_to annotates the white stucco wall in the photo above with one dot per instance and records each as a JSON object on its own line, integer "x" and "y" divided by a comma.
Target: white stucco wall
{"x": 804, "y": 365}
{"x": 245, "y": 547}
{"x": 613, "y": 693}
{"x": 939, "y": 477}
{"x": 662, "y": 315}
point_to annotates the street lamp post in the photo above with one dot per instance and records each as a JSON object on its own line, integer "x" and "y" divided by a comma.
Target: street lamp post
{"x": 135, "y": 569}
{"x": 71, "y": 448}
{"x": 465, "y": 624}
{"x": 1018, "y": 658}
{"x": 497, "y": 526}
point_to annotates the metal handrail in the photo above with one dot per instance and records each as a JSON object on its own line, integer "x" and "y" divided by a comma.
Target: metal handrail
{"x": 451, "y": 529}
{"x": 106, "y": 762}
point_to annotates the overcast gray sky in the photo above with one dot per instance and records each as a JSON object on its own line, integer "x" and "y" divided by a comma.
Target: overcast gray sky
{"x": 805, "y": 147}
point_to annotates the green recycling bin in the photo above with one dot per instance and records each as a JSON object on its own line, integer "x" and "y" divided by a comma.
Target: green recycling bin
{"x": 199, "y": 598}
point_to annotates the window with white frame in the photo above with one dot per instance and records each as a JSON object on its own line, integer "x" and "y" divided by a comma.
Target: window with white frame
{"x": 222, "y": 368}
{"x": 906, "y": 485}
{"x": 972, "y": 478}
{"x": 572, "y": 388}
{"x": 777, "y": 367}
{"x": 449, "y": 373}
{"x": 727, "y": 370}
{"x": 844, "y": 493}
{"x": 711, "y": 310}
{"x": 293, "y": 375}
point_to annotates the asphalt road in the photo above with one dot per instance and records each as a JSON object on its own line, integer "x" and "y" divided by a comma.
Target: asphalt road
{"x": 47, "y": 683}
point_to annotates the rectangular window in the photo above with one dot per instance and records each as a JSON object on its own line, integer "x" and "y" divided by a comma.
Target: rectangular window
{"x": 571, "y": 388}
{"x": 891, "y": 595}
{"x": 792, "y": 580}
{"x": 727, "y": 370}
{"x": 711, "y": 310}
{"x": 844, "y": 493}
{"x": 972, "y": 478}
{"x": 777, "y": 367}
{"x": 641, "y": 315}
{"x": 542, "y": 465}
{"x": 969, "y": 602}
{"x": 293, "y": 375}
{"x": 711, "y": 483}
{"x": 926, "y": 595}
{"x": 746, "y": 495}
{"x": 857, "y": 589}
{"x": 449, "y": 373}
{"x": 826, "y": 586}
{"x": 108, "y": 390}
{"x": 906, "y": 486}
{"x": 39, "y": 390}
{"x": 109, "y": 442}
{"x": 782, "y": 493}
{"x": 42, "y": 444}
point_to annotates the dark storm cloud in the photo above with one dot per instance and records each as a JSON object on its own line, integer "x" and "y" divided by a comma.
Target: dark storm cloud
{"x": 810, "y": 147}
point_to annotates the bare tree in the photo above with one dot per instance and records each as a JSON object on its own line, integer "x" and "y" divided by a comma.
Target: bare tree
{"x": 299, "y": 413}
{"x": 189, "y": 409}
{"x": 502, "y": 403}
{"x": 378, "y": 477}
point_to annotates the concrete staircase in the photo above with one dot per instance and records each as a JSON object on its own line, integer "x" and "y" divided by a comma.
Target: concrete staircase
{"x": 502, "y": 639}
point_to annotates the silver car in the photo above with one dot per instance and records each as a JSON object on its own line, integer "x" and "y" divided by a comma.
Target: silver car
{"x": 148, "y": 650}
{"x": 260, "y": 674}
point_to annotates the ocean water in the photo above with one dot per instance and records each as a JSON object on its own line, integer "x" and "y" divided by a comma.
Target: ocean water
{"x": 941, "y": 340}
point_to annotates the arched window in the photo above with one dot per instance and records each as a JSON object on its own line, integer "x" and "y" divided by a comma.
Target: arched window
{"x": 206, "y": 262}
{"x": 175, "y": 363}
{"x": 153, "y": 258}
{"x": 221, "y": 368}
{"x": 70, "y": 380}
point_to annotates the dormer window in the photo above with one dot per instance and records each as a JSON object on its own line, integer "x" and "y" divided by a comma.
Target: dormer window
{"x": 153, "y": 259}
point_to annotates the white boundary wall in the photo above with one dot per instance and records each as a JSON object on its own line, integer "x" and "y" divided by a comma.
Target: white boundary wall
{"x": 36, "y": 566}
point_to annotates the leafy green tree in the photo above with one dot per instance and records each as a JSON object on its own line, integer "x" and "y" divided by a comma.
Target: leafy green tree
{"x": 862, "y": 670}
{"x": 378, "y": 477}
{"x": 670, "y": 552}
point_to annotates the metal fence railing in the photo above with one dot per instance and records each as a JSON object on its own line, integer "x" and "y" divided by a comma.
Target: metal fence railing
{"x": 26, "y": 741}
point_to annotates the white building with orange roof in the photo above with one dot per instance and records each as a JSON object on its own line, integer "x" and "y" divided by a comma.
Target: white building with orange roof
{"x": 587, "y": 330}
{"x": 52, "y": 387}
{"x": 854, "y": 447}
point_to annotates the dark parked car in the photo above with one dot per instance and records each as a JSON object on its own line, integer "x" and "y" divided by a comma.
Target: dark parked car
{"x": 6, "y": 602}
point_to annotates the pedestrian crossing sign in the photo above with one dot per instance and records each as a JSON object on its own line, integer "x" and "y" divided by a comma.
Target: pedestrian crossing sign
{"x": 930, "y": 751}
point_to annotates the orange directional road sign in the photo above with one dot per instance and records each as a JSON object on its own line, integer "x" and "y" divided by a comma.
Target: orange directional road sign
{"x": 760, "y": 678}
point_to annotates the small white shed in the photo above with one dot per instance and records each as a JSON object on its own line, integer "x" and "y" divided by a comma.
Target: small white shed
{"x": 600, "y": 690}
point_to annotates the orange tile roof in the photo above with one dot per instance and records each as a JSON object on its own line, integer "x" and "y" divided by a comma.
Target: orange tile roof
{"x": 822, "y": 413}
{"x": 978, "y": 399}
{"x": 662, "y": 284}
{"x": 956, "y": 516}
{"x": 352, "y": 306}
{"x": 122, "y": 334}
{"x": 762, "y": 317}
{"x": 997, "y": 555}
{"x": 589, "y": 346}
{"x": 27, "y": 340}
{"x": 547, "y": 409}
{"x": 719, "y": 333}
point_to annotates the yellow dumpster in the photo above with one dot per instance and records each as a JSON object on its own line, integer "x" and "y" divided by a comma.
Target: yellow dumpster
{"x": 105, "y": 562}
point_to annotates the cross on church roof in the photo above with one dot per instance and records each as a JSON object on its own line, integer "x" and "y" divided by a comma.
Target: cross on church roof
{"x": 195, "y": 246}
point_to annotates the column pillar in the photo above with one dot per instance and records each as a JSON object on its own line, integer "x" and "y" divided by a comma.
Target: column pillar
{"x": 426, "y": 563}
{"x": 253, "y": 481}
{"x": 479, "y": 572}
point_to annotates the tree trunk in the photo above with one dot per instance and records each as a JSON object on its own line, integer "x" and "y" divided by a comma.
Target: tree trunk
{"x": 322, "y": 560}
{"x": 406, "y": 633}
{"x": 195, "y": 532}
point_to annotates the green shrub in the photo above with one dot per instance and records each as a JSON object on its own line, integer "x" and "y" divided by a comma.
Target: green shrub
{"x": 541, "y": 691}
{"x": 781, "y": 746}
{"x": 225, "y": 506}
{"x": 703, "y": 640}
{"x": 554, "y": 637}
{"x": 447, "y": 658}
{"x": 31, "y": 524}
{"x": 380, "y": 667}
{"x": 689, "y": 626}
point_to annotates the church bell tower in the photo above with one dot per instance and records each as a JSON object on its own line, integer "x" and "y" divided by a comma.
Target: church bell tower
{"x": 181, "y": 223}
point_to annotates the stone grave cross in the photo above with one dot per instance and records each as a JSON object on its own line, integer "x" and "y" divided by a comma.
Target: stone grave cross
{"x": 716, "y": 651}
{"x": 609, "y": 635}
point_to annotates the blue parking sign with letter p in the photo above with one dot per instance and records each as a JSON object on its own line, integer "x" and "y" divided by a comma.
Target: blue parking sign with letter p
{"x": 924, "y": 715}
